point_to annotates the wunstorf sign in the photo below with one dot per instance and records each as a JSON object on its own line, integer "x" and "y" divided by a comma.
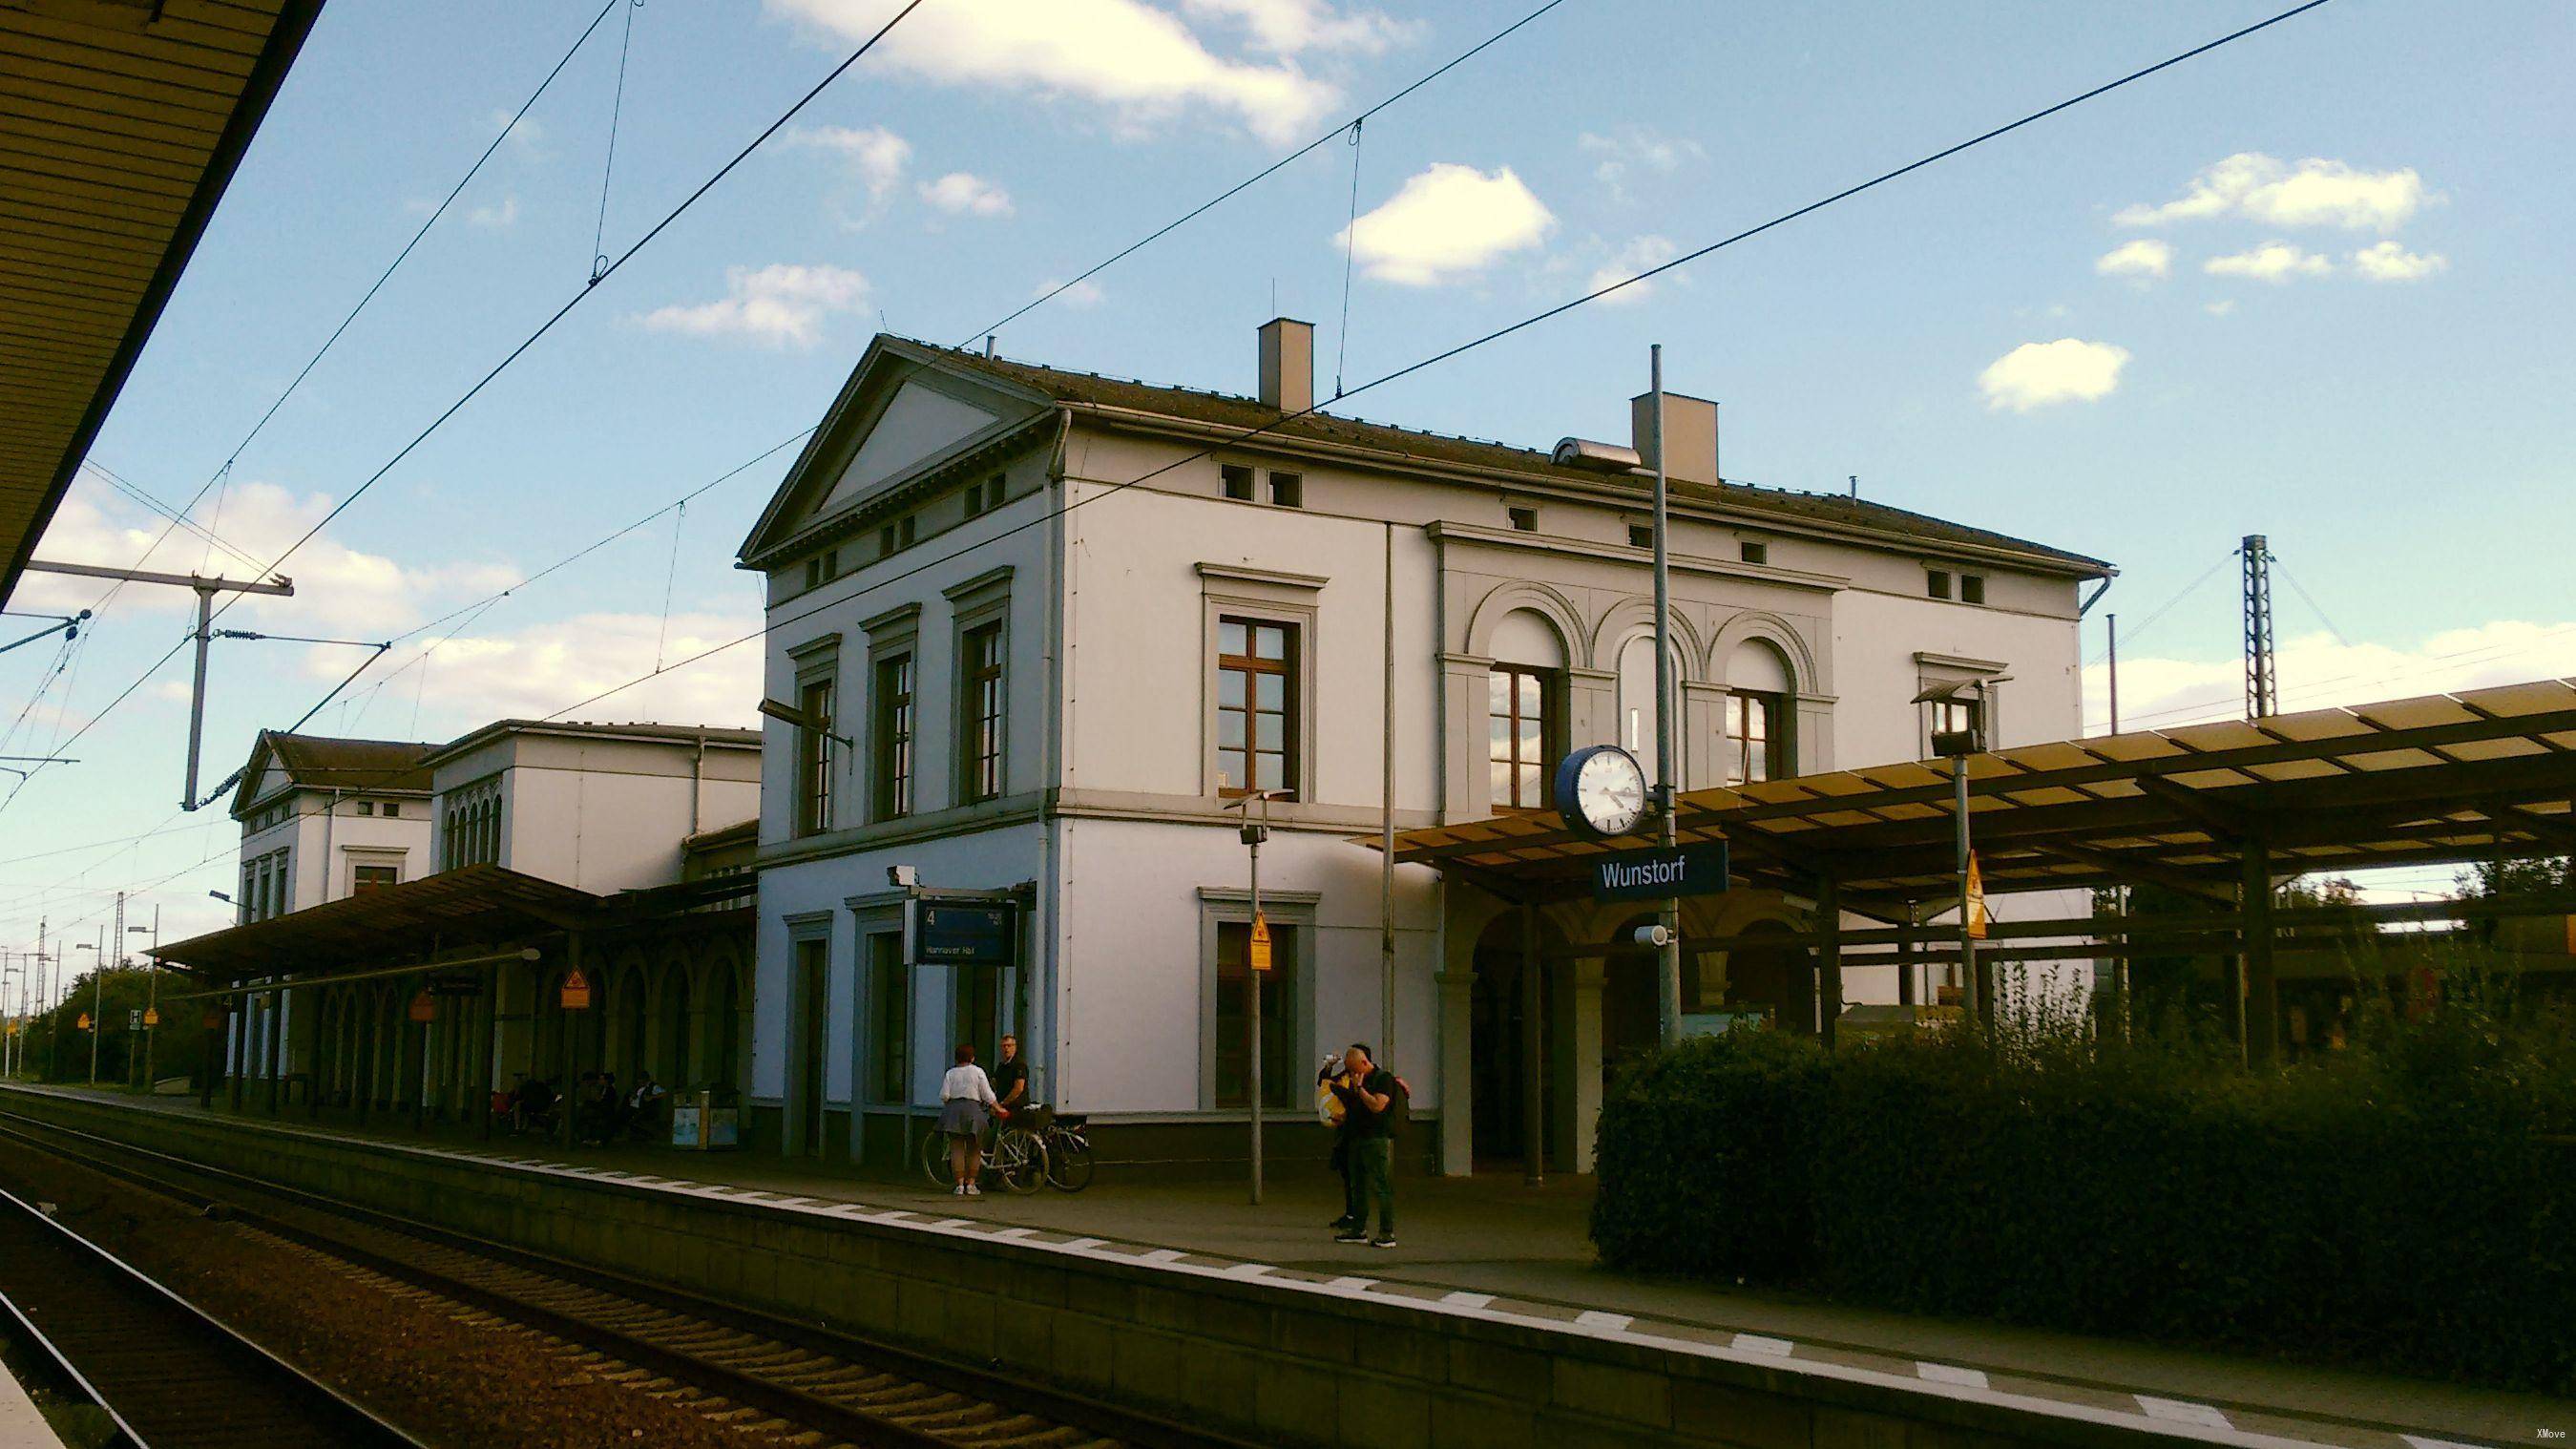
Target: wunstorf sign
{"x": 1653, "y": 875}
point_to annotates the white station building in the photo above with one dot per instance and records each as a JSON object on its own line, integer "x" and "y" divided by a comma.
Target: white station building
{"x": 1058, "y": 624}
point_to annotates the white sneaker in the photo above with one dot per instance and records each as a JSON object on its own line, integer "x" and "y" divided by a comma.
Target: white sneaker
{"x": 973, "y": 1191}
{"x": 958, "y": 1191}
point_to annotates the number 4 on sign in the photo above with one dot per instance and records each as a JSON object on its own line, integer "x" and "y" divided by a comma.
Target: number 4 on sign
{"x": 1976, "y": 902}
{"x": 1260, "y": 943}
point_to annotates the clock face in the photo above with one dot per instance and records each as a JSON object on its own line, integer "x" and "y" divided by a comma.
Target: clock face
{"x": 1604, "y": 790}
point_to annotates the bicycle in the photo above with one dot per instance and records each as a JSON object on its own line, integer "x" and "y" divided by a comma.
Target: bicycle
{"x": 1013, "y": 1156}
{"x": 1065, "y": 1141}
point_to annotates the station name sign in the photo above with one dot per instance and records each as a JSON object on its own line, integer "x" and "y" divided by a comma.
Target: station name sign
{"x": 1654, "y": 875}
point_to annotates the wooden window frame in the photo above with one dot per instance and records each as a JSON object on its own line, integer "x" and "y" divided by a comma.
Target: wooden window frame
{"x": 983, "y": 660}
{"x": 1550, "y": 712}
{"x": 1288, "y": 667}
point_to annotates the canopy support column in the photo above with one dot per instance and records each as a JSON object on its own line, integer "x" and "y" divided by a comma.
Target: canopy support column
{"x": 1533, "y": 1085}
{"x": 276, "y": 1044}
{"x": 1829, "y": 957}
{"x": 2262, "y": 1005}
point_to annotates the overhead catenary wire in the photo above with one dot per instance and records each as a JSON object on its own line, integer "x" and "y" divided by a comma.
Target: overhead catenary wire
{"x": 608, "y": 167}
{"x": 1350, "y": 252}
{"x": 543, "y": 328}
{"x": 2311, "y": 601}
{"x": 1472, "y": 344}
{"x": 2167, "y": 607}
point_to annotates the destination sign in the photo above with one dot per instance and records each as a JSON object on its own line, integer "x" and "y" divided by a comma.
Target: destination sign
{"x": 953, "y": 932}
{"x": 1654, "y": 875}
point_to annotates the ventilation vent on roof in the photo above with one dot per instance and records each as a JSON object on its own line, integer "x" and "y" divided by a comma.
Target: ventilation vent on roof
{"x": 1595, "y": 457}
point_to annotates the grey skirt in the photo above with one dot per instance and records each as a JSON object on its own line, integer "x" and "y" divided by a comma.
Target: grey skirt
{"x": 962, "y": 1117}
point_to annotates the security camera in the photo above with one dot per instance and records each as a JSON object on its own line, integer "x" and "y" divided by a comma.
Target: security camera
{"x": 903, "y": 877}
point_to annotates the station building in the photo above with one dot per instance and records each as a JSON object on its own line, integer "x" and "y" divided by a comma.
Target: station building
{"x": 1045, "y": 629}
{"x": 503, "y": 860}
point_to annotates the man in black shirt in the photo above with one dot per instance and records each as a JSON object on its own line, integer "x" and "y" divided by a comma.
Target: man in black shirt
{"x": 1368, "y": 1105}
{"x": 1011, "y": 1078}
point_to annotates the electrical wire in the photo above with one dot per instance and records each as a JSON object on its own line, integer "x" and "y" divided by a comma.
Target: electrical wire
{"x": 1472, "y": 344}
{"x": 2167, "y": 606}
{"x": 608, "y": 168}
{"x": 2311, "y": 600}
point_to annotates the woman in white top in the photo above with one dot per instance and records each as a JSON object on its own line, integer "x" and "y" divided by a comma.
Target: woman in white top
{"x": 965, "y": 1107}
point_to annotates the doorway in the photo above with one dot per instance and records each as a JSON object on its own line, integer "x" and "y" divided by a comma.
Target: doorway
{"x": 810, "y": 1000}
{"x": 1498, "y": 1065}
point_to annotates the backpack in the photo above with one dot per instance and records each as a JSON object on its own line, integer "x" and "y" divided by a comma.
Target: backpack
{"x": 1399, "y": 1107}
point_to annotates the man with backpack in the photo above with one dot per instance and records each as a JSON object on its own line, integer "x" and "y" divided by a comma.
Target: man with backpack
{"x": 1373, "y": 1103}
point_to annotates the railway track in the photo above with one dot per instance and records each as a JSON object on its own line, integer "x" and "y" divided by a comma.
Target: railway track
{"x": 166, "y": 1372}
{"x": 842, "y": 1388}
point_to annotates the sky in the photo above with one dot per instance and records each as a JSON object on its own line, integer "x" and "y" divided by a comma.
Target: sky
{"x": 2311, "y": 285}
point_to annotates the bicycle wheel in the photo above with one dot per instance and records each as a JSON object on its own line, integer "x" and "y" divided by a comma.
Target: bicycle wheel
{"x": 934, "y": 1162}
{"x": 1068, "y": 1161}
{"x": 1020, "y": 1160}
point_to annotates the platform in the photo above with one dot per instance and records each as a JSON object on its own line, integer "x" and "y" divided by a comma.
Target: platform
{"x": 1479, "y": 1251}
{"x": 22, "y": 1424}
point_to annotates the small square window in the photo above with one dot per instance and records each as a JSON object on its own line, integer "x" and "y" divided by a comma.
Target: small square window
{"x": 1288, "y": 490}
{"x": 904, "y": 530}
{"x": 393, "y": 810}
{"x": 1524, "y": 520}
{"x": 1936, "y": 583}
{"x": 1972, "y": 588}
{"x": 1641, "y": 535}
{"x": 1238, "y": 481}
{"x": 366, "y": 807}
{"x": 885, "y": 540}
{"x": 1756, "y": 553}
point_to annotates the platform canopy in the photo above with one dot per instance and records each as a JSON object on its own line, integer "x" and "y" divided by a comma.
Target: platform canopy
{"x": 2484, "y": 774}
{"x": 474, "y": 905}
{"x": 121, "y": 122}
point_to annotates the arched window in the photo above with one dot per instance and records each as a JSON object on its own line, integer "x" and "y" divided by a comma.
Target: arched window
{"x": 1525, "y": 710}
{"x": 1637, "y": 698}
{"x": 1755, "y": 728}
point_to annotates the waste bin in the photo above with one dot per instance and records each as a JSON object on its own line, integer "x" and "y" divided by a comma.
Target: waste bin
{"x": 704, "y": 1120}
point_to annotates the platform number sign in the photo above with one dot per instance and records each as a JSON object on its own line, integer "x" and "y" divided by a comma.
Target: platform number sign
{"x": 576, "y": 991}
{"x": 1261, "y": 943}
{"x": 134, "y": 1018}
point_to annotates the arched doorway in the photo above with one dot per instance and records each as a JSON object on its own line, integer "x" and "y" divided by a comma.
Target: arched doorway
{"x": 677, "y": 1058}
{"x": 724, "y": 1024}
{"x": 1498, "y": 1055}
{"x": 1778, "y": 980}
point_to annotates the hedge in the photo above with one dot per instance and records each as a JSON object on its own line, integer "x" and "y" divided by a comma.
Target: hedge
{"x": 2424, "y": 1221}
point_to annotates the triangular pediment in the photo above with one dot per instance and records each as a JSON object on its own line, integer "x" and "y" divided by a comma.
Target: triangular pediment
{"x": 901, "y": 414}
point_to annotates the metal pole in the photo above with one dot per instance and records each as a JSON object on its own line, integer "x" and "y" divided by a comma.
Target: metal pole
{"x": 197, "y": 695}
{"x": 98, "y": 998}
{"x": 1386, "y": 817}
{"x": 2113, "y": 621}
{"x": 1969, "y": 971}
{"x": 1252, "y": 994}
{"x": 1668, "y": 956}
{"x": 152, "y": 1002}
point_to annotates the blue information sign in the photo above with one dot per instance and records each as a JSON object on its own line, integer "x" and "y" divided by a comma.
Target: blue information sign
{"x": 948, "y": 932}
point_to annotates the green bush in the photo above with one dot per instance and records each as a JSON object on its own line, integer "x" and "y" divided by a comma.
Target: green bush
{"x": 2408, "y": 1203}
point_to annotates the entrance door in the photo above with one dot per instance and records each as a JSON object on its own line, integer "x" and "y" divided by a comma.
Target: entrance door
{"x": 812, "y": 998}
{"x": 1497, "y": 1056}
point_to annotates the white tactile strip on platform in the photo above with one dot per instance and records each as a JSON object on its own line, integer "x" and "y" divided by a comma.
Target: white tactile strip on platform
{"x": 2181, "y": 1420}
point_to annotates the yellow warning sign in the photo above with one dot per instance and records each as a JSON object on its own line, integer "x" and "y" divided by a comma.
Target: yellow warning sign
{"x": 576, "y": 991}
{"x": 151, "y": 1016}
{"x": 1976, "y": 904}
{"x": 83, "y": 1023}
{"x": 1261, "y": 943}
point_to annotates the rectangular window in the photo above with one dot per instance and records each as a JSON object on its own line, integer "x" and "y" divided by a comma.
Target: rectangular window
{"x": 889, "y": 1018}
{"x": 1756, "y": 553}
{"x": 1288, "y": 490}
{"x": 1280, "y": 1082}
{"x": 814, "y": 759}
{"x": 1936, "y": 583}
{"x": 813, "y": 573}
{"x": 1641, "y": 535}
{"x": 393, "y": 809}
{"x": 885, "y": 540}
{"x": 373, "y": 877}
{"x": 1238, "y": 481}
{"x": 1972, "y": 588}
{"x": 366, "y": 807}
{"x": 893, "y": 737}
{"x": 974, "y": 499}
{"x": 1750, "y": 748}
{"x": 1256, "y": 706}
{"x": 979, "y": 743}
{"x": 1524, "y": 520}
{"x": 905, "y": 529}
{"x": 1517, "y": 710}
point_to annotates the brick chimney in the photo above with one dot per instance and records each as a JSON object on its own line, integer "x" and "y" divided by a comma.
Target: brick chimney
{"x": 1288, "y": 364}
{"x": 1690, "y": 423}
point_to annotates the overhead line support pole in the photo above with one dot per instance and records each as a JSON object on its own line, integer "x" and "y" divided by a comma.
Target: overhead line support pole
{"x": 1668, "y": 956}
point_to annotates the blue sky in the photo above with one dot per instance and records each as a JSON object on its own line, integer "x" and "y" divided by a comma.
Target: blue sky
{"x": 2382, "y": 392}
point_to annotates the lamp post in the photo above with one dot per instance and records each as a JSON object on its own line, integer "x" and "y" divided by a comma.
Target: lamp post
{"x": 97, "y": 995}
{"x": 1256, "y": 947}
{"x": 151, "y": 997}
{"x": 1962, "y": 707}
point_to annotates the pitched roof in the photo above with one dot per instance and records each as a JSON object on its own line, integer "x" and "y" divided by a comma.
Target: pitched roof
{"x": 1832, "y": 511}
{"x": 321, "y": 762}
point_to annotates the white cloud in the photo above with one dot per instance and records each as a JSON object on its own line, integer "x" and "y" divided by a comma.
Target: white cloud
{"x": 495, "y": 217}
{"x": 1085, "y": 294}
{"x": 534, "y": 670}
{"x": 2142, "y": 258}
{"x": 1142, "y": 63}
{"x": 2318, "y": 671}
{"x": 2273, "y": 261}
{"x": 2389, "y": 262}
{"x": 1447, "y": 221}
{"x": 962, "y": 193}
{"x": 528, "y": 136}
{"x": 779, "y": 304}
{"x": 340, "y": 591}
{"x": 2219, "y": 308}
{"x": 878, "y": 155}
{"x": 2316, "y": 192}
{"x": 1638, "y": 255}
{"x": 2036, "y": 374}
{"x": 1633, "y": 147}
{"x": 1285, "y": 27}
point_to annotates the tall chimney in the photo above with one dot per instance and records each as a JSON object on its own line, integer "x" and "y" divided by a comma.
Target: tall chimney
{"x": 1691, "y": 425}
{"x": 1288, "y": 364}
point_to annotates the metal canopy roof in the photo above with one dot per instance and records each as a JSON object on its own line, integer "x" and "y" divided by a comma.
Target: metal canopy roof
{"x": 473, "y": 905}
{"x": 2439, "y": 778}
{"x": 120, "y": 124}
